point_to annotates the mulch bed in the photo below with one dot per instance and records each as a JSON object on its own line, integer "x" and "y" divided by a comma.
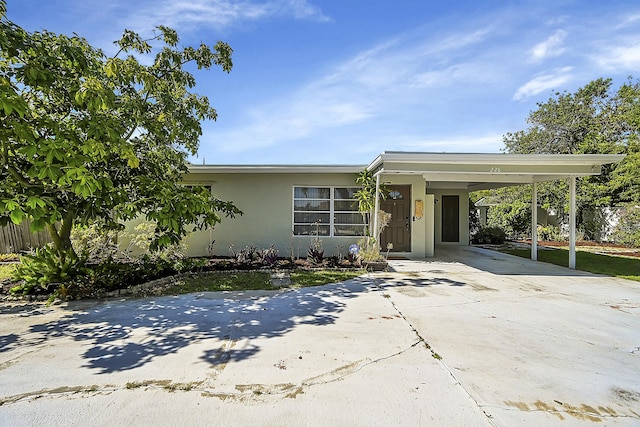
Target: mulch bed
{"x": 604, "y": 248}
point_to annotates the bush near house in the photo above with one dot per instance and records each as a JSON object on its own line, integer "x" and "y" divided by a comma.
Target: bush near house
{"x": 491, "y": 235}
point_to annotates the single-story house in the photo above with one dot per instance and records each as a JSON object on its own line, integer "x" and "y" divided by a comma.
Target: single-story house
{"x": 287, "y": 206}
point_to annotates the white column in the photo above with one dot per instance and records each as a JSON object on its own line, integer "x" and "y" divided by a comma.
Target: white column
{"x": 572, "y": 222}
{"x": 374, "y": 231}
{"x": 534, "y": 222}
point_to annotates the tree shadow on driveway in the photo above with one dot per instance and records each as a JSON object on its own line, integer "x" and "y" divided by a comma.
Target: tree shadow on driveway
{"x": 128, "y": 334}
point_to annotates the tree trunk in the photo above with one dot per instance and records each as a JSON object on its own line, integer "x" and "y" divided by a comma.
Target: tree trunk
{"x": 62, "y": 238}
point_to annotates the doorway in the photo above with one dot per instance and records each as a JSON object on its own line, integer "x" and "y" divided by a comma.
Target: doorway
{"x": 451, "y": 219}
{"x": 398, "y": 232}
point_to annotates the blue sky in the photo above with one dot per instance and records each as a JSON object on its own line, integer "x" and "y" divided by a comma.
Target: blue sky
{"x": 340, "y": 81}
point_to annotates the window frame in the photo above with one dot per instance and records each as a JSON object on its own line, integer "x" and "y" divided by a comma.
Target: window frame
{"x": 332, "y": 212}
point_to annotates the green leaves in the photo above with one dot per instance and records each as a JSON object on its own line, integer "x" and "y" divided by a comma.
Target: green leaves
{"x": 89, "y": 138}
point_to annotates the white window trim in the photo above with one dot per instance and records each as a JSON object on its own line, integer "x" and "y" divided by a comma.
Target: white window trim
{"x": 332, "y": 211}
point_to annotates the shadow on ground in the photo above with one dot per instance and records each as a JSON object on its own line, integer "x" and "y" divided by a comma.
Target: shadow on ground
{"x": 128, "y": 334}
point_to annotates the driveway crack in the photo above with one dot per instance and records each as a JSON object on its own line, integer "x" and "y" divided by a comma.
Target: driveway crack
{"x": 435, "y": 355}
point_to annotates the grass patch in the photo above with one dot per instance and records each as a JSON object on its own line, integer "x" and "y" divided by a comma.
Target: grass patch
{"x": 254, "y": 281}
{"x": 303, "y": 279}
{"x": 6, "y": 270}
{"x": 214, "y": 282}
{"x": 626, "y": 268}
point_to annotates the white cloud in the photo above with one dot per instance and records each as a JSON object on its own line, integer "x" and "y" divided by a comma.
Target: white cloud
{"x": 624, "y": 56}
{"x": 551, "y": 47}
{"x": 375, "y": 83}
{"x": 220, "y": 13}
{"x": 544, "y": 82}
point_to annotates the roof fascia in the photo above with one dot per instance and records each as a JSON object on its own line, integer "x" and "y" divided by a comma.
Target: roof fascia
{"x": 290, "y": 169}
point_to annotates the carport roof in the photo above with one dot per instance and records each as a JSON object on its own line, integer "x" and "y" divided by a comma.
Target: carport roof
{"x": 482, "y": 171}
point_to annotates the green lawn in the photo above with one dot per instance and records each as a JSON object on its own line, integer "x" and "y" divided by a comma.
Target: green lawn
{"x": 626, "y": 268}
{"x": 254, "y": 280}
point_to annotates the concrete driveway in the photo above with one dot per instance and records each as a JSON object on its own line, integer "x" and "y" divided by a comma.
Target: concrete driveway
{"x": 472, "y": 337}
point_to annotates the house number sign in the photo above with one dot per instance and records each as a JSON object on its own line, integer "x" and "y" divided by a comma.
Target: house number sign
{"x": 493, "y": 170}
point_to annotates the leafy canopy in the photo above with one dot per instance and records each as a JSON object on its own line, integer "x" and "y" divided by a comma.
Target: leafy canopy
{"x": 85, "y": 137}
{"x": 596, "y": 119}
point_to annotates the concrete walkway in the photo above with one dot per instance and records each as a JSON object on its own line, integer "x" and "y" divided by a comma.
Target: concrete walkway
{"x": 472, "y": 337}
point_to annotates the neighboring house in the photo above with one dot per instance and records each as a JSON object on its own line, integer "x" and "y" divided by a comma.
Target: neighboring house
{"x": 288, "y": 205}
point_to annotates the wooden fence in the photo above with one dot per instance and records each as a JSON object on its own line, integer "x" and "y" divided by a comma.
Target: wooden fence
{"x": 16, "y": 238}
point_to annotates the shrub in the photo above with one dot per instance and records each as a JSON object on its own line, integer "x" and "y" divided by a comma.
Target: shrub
{"x": 44, "y": 267}
{"x": 269, "y": 256}
{"x": 95, "y": 244}
{"x": 492, "y": 235}
{"x": 369, "y": 251}
{"x": 627, "y": 230}
{"x": 316, "y": 252}
{"x": 550, "y": 233}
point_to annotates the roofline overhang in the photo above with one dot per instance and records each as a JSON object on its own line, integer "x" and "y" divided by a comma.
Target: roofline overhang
{"x": 254, "y": 169}
{"x": 494, "y": 159}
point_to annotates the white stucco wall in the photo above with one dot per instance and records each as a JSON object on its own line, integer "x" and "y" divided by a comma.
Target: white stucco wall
{"x": 463, "y": 214}
{"x": 266, "y": 200}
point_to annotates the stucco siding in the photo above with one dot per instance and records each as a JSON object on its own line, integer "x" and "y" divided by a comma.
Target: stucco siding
{"x": 266, "y": 200}
{"x": 463, "y": 215}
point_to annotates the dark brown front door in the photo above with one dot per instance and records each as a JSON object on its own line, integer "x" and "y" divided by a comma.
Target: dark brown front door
{"x": 450, "y": 218}
{"x": 398, "y": 232}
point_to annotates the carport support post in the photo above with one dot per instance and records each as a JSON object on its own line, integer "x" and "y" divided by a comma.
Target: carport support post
{"x": 534, "y": 222}
{"x": 572, "y": 222}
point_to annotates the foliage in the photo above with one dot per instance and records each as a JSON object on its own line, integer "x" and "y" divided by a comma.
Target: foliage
{"x": 316, "y": 252}
{"x": 626, "y": 268}
{"x": 513, "y": 217}
{"x": 627, "y": 230}
{"x": 7, "y": 270}
{"x": 474, "y": 217}
{"x": 269, "y": 256}
{"x": 491, "y": 235}
{"x": 100, "y": 266}
{"x": 251, "y": 255}
{"x": 212, "y": 282}
{"x": 366, "y": 197}
{"x": 46, "y": 267}
{"x": 550, "y": 233}
{"x": 369, "y": 251}
{"x": 301, "y": 279}
{"x": 594, "y": 119}
{"x": 9, "y": 257}
{"x": 95, "y": 244}
{"x": 87, "y": 138}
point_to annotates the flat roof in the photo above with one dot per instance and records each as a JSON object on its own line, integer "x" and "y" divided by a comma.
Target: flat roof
{"x": 471, "y": 171}
{"x": 276, "y": 168}
{"x": 494, "y": 158}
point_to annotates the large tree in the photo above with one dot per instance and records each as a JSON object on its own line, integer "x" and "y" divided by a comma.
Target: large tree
{"x": 86, "y": 137}
{"x": 595, "y": 119}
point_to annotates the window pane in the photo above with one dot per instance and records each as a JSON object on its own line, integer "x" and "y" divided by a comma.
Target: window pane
{"x": 345, "y": 192}
{"x": 348, "y": 218}
{"x": 311, "y": 230}
{"x": 311, "y": 217}
{"x": 346, "y": 205}
{"x": 311, "y": 205}
{"x": 349, "y": 230}
{"x": 312, "y": 193}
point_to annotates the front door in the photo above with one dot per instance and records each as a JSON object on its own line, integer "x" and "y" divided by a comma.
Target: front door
{"x": 398, "y": 232}
{"x": 450, "y": 218}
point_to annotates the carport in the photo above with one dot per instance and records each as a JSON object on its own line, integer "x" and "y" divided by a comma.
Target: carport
{"x": 465, "y": 173}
